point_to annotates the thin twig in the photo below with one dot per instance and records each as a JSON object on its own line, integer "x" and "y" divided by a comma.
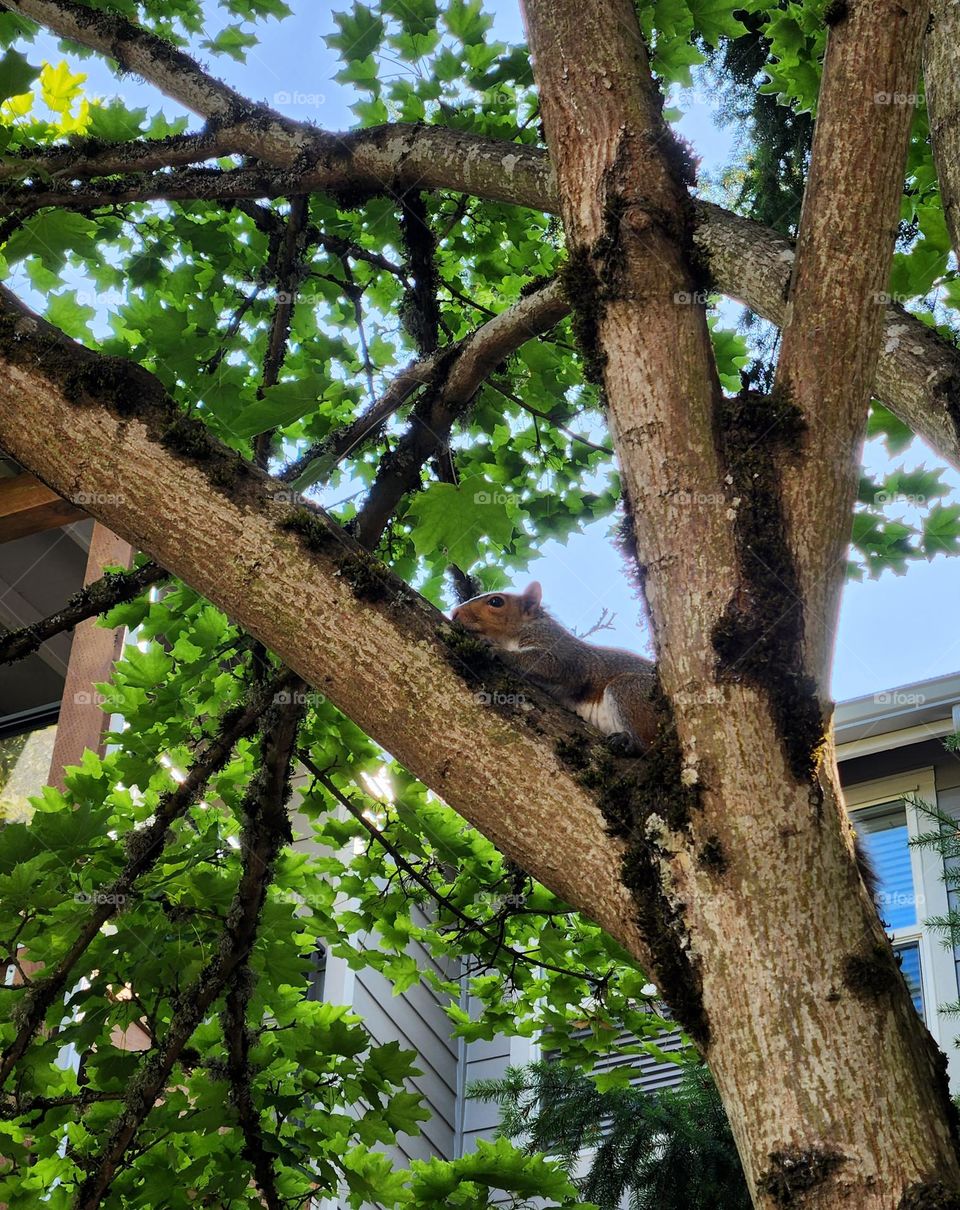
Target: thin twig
{"x": 113, "y": 588}
{"x": 471, "y": 923}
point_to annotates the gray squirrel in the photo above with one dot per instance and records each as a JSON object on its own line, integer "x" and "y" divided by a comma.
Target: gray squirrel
{"x": 608, "y": 687}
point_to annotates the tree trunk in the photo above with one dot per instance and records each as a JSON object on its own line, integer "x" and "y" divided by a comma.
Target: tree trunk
{"x": 740, "y": 861}
{"x": 942, "y": 81}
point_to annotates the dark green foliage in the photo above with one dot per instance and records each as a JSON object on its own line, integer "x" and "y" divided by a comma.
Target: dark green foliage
{"x": 771, "y": 187}
{"x": 669, "y": 1151}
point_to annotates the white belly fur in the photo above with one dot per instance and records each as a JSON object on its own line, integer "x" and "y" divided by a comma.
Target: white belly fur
{"x": 602, "y": 714}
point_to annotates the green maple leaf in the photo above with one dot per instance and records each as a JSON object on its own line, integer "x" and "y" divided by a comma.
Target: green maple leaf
{"x": 453, "y": 519}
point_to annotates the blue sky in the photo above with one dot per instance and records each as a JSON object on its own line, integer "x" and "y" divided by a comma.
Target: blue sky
{"x": 892, "y": 631}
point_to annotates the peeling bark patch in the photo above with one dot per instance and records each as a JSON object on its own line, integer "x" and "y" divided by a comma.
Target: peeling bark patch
{"x": 871, "y": 973}
{"x": 794, "y": 1171}
{"x": 933, "y": 1195}
{"x": 759, "y": 638}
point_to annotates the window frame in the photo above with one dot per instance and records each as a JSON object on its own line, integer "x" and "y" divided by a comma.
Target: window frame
{"x": 938, "y": 975}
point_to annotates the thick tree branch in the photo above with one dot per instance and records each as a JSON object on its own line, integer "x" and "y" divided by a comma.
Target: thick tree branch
{"x": 368, "y": 426}
{"x": 82, "y": 161}
{"x": 111, "y": 589}
{"x": 236, "y": 1036}
{"x": 831, "y": 336}
{"x": 300, "y": 585}
{"x": 288, "y": 273}
{"x": 383, "y": 158}
{"x": 266, "y": 830}
{"x": 781, "y": 1026}
{"x": 918, "y": 376}
{"x": 14, "y": 1107}
{"x": 150, "y": 842}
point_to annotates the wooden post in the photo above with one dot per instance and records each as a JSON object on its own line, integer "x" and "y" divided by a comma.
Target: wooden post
{"x": 92, "y": 656}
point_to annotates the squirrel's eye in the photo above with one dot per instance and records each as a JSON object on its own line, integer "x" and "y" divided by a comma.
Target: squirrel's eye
{"x": 496, "y": 602}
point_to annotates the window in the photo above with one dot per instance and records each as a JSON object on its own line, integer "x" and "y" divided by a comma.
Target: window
{"x": 909, "y": 956}
{"x": 885, "y": 834}
{"x": 911, "y": 890}
{"x": 26, "y": 746}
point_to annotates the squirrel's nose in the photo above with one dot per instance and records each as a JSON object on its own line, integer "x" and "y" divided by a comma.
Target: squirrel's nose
{"x": 454, "y": 612}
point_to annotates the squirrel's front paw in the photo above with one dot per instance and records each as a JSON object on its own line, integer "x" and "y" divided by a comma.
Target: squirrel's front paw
{"x": 623, "y": 743}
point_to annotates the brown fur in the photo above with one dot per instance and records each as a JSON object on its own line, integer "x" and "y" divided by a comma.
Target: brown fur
{"x": 609, "y": 687}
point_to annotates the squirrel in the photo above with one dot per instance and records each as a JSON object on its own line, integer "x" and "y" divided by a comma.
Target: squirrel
{"x": 608, "y": 687}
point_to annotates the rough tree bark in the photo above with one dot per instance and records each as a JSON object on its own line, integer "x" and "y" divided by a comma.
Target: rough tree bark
{"x": 942, "y": 82}
{"x": 740, "y": 864}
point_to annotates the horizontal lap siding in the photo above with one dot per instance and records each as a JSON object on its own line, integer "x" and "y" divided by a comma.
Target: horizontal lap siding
{"x": 485, "y": 1059}
{"x": 417, "y": 1021}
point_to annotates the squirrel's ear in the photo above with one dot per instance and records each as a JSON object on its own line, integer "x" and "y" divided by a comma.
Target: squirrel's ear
{"x": 531, "y": 597}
